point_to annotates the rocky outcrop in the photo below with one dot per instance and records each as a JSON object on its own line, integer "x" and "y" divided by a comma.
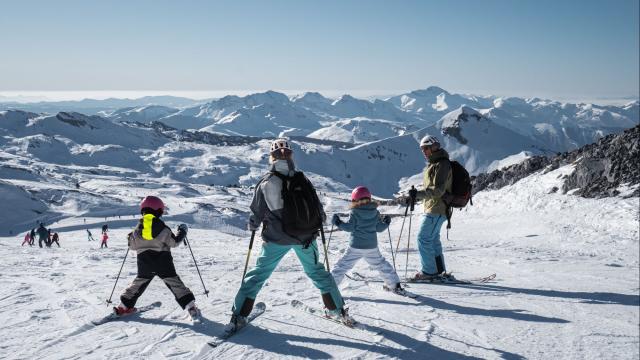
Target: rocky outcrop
{"x": 600, "y": 168}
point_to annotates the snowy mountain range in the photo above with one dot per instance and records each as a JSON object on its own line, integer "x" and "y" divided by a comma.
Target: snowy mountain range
{"x": 341, "y": 142}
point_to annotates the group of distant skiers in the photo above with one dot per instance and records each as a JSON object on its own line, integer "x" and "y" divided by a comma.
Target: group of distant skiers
{"x": 105, "y": 236}
{"x": 48, "y": 237}
{"x": 45, "y": 236}
{"x": 287, "y": 207}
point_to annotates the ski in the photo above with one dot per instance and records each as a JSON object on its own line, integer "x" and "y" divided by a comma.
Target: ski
{"x": 297, "y": 304}
{"x": 435, "y": 280}
{"x": 113, "y": 316}
{"x": 448, "y": 280}
{"x": 258, "y": 309}
{"x": 356, "y": 276}
{"x": 374, "y": 283}
{"x": 404, "y": 292}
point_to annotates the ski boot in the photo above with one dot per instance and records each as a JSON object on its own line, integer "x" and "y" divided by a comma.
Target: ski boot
{"x": 420, "y": 276}
{"x": 341, "y": 315}
{"x": 236, "y": 323}
{"x": 194, "y": 312}
{"x": 447, "y": 277}
{"x": 398, "y": 289}
{"x": 122, "y": 310}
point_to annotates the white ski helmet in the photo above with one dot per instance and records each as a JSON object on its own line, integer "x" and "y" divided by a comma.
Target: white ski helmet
{"x": 429, "y": 140}
{"x": 280, "y": 143}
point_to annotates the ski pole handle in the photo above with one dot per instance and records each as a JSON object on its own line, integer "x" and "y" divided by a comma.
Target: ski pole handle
{"x": 246, "y": 263}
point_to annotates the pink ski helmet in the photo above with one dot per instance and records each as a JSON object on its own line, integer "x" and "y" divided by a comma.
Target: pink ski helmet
{"x": 359, "y": 193}
{"x": 153, "y": 203}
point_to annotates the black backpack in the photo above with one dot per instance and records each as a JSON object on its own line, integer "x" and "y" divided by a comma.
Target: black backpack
{"x": 301, "y": 206}
{"x": 460, "y": 194}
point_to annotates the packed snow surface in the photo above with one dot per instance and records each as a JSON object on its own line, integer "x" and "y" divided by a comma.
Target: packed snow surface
{"x": 566, "y": 287}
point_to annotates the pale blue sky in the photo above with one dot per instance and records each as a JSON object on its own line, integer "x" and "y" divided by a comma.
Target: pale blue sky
{"x": 503, "y": 47}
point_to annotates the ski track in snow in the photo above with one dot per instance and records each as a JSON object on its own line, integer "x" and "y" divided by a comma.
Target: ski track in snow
{"x": 567, "y": 287}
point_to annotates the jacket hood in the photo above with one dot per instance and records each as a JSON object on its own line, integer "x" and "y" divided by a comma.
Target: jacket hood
{"x": 438, "y": 155}
{"x": 284, "y": 167}
{"x": 366, "y": 212}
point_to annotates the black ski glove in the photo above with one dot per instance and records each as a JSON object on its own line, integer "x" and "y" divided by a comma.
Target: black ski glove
{"x": 386, "y": 219}
{"x": 182, "y": 232}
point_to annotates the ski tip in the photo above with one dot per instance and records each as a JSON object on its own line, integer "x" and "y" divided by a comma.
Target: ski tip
{"x": 260, "y": 306}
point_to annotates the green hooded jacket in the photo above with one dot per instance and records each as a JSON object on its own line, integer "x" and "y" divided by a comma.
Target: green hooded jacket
{"x": 436, "y": 181}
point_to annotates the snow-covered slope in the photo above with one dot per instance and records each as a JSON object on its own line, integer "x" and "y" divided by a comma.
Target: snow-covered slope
{"x": 360, "y": 130}
{"x": 567, "y": 285}
{"x": 143, "y": 114}
{"x": 75, "y": 127}
{"x": 267, "y": 119}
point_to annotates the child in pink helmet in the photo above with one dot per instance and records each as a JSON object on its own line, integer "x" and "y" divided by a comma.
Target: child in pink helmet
{"x": 363, "y": 224}
{"x": 105, "y": 237}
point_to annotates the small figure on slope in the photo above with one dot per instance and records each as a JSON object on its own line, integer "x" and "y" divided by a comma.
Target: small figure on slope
{"x": 43, "y": 234}
{"x": 89, "y": 236}
{"x": 153, "y": 240}
{"x": 49, "y": 237}
{"x": 364, "y": 222}
{"x": 32, "y": 235}
{"x": 105, "y": 237}
{"x": 27, "y": 239}
{"x": 55, "y": 239}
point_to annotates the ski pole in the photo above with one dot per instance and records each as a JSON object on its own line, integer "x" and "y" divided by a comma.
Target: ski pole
{"x": 329, "y": 242}
{"x": 324, "y": 245}
{"x": 392, "y": 255}
{"x": 118, "y": 277}
{"x": 253, "y": 234}
{"x": 206, "y": 292}
{"x": 406, "y": 264}
{"x": 413, "y": 203}
{"x": 404, "y": 218}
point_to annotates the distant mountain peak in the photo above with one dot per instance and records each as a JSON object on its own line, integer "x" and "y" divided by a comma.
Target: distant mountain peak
{"x": 430, "y": 91}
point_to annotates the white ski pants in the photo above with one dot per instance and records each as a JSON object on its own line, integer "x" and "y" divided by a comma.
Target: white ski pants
{"x": 375, "y": 260}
